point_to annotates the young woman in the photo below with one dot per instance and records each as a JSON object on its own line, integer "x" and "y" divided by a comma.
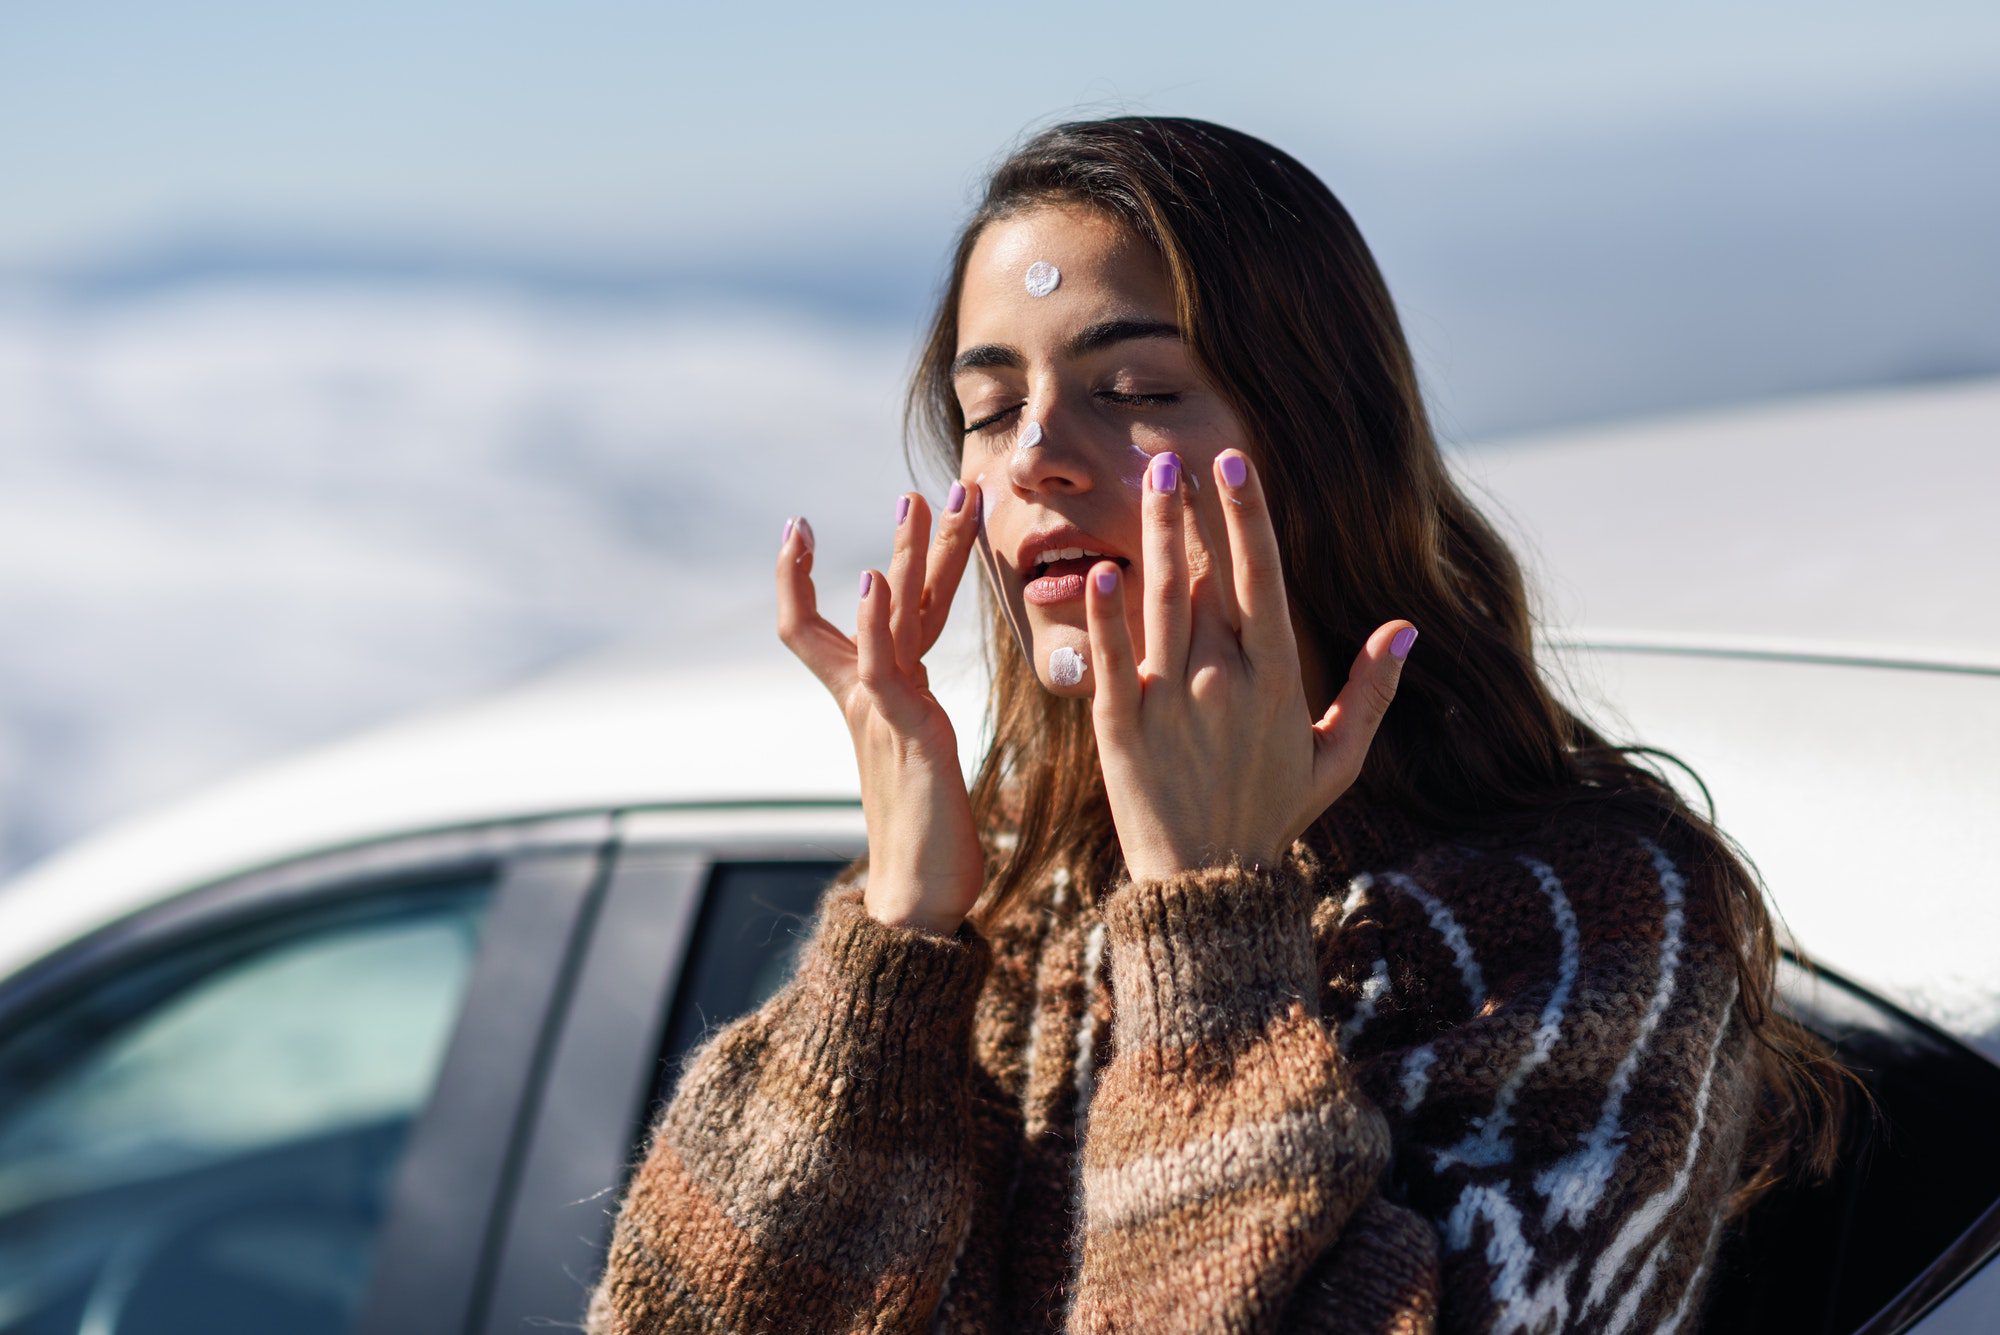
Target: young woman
{"x": 1237, "y": 994}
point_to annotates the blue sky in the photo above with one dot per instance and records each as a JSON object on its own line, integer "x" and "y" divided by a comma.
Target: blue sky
{"x": 640, "y": 132}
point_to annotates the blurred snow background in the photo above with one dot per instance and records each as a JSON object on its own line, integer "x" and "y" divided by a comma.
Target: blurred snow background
{"x": 360, "y": 376}
{"x": 239, "y": 520}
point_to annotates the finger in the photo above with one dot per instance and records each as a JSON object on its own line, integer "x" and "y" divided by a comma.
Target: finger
{"x": 819, "y": 644}
{"x": 906, "y": 578}
{"x": 875, "y": 650}
{"x": 1212, "y": 607}
{"x": 1116, "y": 692}
{"x": 1346, "y": 731}
{"x": 956, "y": 533}
{"x": 1256, "y": 564}
{"x": 1166, "y": 607}
{"x": 888, "y": 688}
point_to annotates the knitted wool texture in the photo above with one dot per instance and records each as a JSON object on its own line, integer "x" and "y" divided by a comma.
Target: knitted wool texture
{"x": 1398, "y": 1083}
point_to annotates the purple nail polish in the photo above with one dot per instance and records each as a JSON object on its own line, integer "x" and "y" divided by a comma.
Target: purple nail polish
{"x": 1234, "y": 471}
{"x": 954, "y": 499}
{"x": 1400, "y": 646}
{"x": 902, "y": 508}
{"x": 790, "y": 524}
{"x": 867, "y": 582}
{"x": 1166, "y": 471}
{"x": 1107, "y": 580}
{"x": 806, "y": 532}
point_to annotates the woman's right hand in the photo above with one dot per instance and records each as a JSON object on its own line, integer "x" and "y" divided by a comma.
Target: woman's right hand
{"x": 925, "y": 865}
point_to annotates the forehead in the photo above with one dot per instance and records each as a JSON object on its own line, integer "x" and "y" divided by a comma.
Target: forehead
{"x": 1105, "y": 267}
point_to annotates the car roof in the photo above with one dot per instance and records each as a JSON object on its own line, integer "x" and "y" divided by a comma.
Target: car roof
{"x": 594, "y": 740}
{"x": 1860, "y": 524}
{"x": 1618, "y": 523}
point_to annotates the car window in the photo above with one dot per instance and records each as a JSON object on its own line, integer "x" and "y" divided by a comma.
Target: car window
{"x": 754, "y": 920}
{"x": 203, "y": 1140}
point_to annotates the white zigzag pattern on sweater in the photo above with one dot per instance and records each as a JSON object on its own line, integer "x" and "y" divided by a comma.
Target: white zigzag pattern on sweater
{"x": 1575, "y": 1184}
{"x": 1520, "y": 1305}
{"x": 1417, "y": 1076}
{"x": 1640, "y": 1225}
{"x": 1673, "y": 1323}
{"x": 1489, "y": 1144}
{"x": 1372, "y": 992}
{"x": 1447, "y": 927}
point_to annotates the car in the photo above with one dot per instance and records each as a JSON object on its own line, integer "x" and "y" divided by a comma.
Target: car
{"x": 369, "y": 1041}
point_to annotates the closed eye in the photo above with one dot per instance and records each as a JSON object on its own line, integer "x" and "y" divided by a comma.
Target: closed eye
{"x": 985, "y": 422}
{"x": 1134, "y": 400}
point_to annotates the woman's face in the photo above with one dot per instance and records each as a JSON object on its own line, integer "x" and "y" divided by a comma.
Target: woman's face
{"x": 1099, "y": 366}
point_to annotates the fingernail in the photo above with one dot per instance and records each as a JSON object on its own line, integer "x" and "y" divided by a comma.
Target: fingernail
{"x": 1234, "y": 471}
{"x": 806, "y": 532}
{"x": 1107, "y": 580}
{"x": 955, "y": 498}
{"x": 1166, "y": 471}
{"x": 867, "y": 582}
{"x": 902, "y": 508}
{"x": 790, "y": 524}
{"x": 1400, "y": 646}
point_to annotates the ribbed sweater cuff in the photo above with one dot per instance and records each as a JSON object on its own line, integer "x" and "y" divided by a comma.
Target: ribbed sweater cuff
{"x": 1211, "y": 955}
{"x": 890, "y": 1007}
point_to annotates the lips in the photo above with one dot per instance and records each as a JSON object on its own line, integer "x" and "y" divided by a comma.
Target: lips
{"x": 1053, "y": 562}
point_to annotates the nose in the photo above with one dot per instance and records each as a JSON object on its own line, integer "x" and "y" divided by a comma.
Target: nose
{"x": 1050, "y": 453}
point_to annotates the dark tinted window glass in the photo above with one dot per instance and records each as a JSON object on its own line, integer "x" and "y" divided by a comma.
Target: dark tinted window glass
{"x": 1920, "y": 1165}
{"x": 203, "y": 1141}
{"x": 756, "y": 917}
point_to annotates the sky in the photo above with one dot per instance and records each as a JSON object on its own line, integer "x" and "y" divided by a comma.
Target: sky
{"x": 357, "y": 359}
{"x": 649, "y": 132}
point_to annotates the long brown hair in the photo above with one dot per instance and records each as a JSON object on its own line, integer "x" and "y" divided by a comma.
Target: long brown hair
{"x": 1285, "y": 311}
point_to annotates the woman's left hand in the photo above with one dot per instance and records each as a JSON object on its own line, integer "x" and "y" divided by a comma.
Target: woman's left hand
{"x": 1208, "y": 747}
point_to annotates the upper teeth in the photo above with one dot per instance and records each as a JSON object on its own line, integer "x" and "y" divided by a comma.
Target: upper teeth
{"x": 1064, "y": 554}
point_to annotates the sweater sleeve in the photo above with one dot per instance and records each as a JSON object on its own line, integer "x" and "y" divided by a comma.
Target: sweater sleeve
{"x": 809, "y": 1172}
{"x": 1228, "y": 1150}
{"x": 1240, "y": 1174}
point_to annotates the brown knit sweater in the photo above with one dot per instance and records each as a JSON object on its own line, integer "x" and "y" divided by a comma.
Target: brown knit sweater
{"x": 1399, "y": 1082}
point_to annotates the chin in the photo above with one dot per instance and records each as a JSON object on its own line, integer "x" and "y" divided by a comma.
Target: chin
{"x": 1062, "y": 661}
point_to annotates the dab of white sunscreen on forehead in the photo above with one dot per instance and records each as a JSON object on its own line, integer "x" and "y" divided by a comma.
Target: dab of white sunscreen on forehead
{"x": 1042, "y": 278}
{"x": 1031, "y": 436}
{"x": 1066, "y": 666}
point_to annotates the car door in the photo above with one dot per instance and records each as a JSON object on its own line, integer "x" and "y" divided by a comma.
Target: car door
{"x": 701, "y": 921}
{"x": 229, "y": 1111}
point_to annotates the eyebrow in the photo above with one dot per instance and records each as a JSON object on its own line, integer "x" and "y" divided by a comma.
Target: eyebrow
{"x": 989, "y": 356}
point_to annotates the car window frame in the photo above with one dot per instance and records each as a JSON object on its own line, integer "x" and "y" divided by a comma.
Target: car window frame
{"x": 545, "y": 871}
{"x": 1829, "y": 1002}
{"x": 607, "y": 1057}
